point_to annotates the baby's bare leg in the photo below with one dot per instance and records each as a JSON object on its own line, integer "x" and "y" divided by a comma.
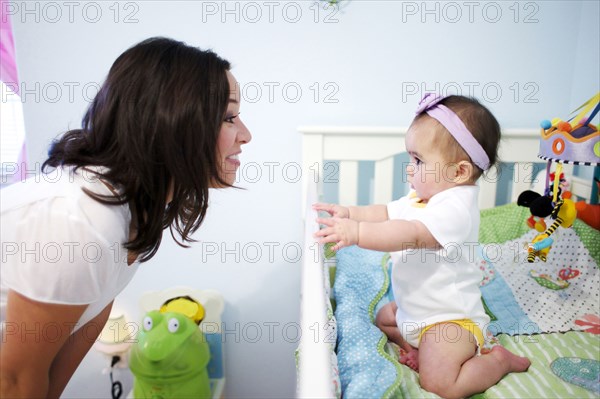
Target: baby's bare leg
{"x": 448, "y": 365}
{"x": 386, "y": 321}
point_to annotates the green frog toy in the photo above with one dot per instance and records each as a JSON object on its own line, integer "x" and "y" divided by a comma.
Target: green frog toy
{"x": 169, "y": 358}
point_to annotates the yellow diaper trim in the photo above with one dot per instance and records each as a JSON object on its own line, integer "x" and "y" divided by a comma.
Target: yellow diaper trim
{"x": 467, "y": 324}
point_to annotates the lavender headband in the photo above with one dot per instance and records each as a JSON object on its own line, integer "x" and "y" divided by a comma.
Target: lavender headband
{"x": 456, "y": 127}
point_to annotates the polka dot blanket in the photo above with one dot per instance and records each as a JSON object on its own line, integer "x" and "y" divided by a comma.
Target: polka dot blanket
{"x": 361, "y": 282}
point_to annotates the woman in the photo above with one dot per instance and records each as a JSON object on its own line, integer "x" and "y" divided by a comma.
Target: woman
{"x": 162, "y": 130}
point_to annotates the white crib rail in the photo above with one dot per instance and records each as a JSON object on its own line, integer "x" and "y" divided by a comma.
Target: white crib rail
{"x": 314, "y": 362}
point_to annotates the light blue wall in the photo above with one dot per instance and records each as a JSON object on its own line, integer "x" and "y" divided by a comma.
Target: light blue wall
{"x": 374, "y": 59}
{"x": 586, "y": 67}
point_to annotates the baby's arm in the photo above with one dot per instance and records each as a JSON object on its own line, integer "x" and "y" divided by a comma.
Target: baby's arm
{"x": 391, "y": 235}
{"x": 370, "y": 213}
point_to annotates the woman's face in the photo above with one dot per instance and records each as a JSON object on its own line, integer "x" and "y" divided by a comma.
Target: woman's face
{"x": 233, "y": 134}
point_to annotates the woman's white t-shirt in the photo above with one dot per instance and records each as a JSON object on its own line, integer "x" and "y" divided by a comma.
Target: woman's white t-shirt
{"x": 432, "y": 286}
{"x": 61, "y": 246}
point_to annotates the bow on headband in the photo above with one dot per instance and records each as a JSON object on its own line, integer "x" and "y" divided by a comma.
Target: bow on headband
{"x": 428, "y": 101}
{"x": 456, "y": 127}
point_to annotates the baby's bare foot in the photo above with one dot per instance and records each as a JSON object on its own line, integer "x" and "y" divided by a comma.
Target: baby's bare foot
{"x": 410, "y": 358}
{"x": 514, "y": 363}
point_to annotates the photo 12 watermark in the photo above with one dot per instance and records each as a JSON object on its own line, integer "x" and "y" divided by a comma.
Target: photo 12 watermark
{"x": 270, "y": 92}
{"x": 54, "y": 12}
{"x": 251, "y": 332}
{"x": 49, "y": 92}
{"x": 62, "y": 252}
{"x": 453, "y": 12}
{"x": 289, "y": 92}
{"x": 251, "y": 172}
{"x": 32, "y": 172}
{"x": 286, "y": 172}
{"x": 238, "y": 252}
{"x": 271, "y": 172}
{"x": 519, "y": 172}
{"x": 471, "y": 252}
{"x": 98, "y": 253}
{"x": 490, "y": 91}
{"x": 254, "y": 252}
{"x": 252, "y": 12}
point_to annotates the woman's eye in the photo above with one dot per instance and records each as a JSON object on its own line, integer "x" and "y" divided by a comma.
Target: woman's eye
{"x": 418, "y": 161}
{"x": 230, "y": 119}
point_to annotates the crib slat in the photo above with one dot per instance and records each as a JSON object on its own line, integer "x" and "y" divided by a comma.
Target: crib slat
{"x": 348, "y": 185}
{"x": 384, "y": 181}
{"x": 522, "y": 180}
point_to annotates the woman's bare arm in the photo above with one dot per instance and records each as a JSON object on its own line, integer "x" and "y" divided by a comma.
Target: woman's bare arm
{"x": 72, "y": 353}
{"x": 34, "y": 335}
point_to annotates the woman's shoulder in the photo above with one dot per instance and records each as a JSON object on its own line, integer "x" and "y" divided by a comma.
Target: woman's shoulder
{"x": 62, "y": 193}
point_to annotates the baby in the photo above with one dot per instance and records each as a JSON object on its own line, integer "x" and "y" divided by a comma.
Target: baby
{"x": 437, "y": 316}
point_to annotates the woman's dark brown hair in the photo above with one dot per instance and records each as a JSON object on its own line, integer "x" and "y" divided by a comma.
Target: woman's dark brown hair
{"x": 154, "y": 125}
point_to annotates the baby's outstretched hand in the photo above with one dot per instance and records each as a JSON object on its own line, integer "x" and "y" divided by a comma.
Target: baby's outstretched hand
{"x": 341, "y": 232}
{"x": 334, "y": 210}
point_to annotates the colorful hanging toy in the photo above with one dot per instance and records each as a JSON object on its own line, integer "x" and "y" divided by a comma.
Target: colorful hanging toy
{"x": 577, "y": 142}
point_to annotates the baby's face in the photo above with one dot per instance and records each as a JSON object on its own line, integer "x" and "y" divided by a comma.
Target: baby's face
{"x": 429, "y": 171}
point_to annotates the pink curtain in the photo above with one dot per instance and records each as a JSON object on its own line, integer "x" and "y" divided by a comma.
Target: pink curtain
{"x": 8, "y": 62}
{"x": 8, "y": 71}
